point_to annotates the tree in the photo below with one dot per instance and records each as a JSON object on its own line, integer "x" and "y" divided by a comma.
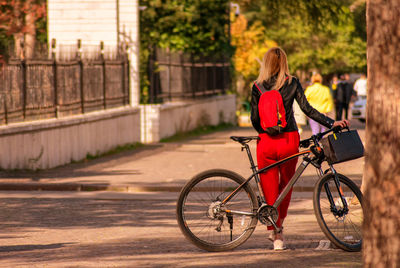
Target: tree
{"x": 199, "y": 27}
{"x": 251, "y": 43}
{"x": 18, "y": 18}
{"x": 317, "y": 35}
{"x": 193, "y": 26}
{"x": 382, "y": 162}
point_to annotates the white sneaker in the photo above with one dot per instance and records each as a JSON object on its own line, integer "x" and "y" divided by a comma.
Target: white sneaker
{"x": 279, "y": 245}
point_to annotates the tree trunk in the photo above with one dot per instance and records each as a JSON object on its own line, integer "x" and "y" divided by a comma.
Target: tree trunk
{"x": 18, "y": 35}
{"x": 30, "y": 35}
{"x": 382, "y": 163}
{"x": 19, "y": 45}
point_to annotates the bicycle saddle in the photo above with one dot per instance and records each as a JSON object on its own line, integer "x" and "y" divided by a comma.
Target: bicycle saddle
{"x": 244, "y": 139}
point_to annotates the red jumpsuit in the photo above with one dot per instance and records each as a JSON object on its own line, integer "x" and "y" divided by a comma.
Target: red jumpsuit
{"x": 269, "y": 150}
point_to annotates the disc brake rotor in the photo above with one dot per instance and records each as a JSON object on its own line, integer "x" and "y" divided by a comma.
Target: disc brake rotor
{"x": 214, "y": 210}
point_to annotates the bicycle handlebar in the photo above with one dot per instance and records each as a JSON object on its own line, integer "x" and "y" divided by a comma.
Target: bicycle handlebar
{"x": 317, "y": 137}
{"x": 303, "y": 144}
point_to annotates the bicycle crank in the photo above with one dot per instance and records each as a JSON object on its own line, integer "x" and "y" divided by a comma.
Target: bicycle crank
{"x": 266, "y": 213}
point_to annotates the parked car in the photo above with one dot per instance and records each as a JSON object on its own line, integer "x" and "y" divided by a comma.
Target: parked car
{"x": 359, "y": 109}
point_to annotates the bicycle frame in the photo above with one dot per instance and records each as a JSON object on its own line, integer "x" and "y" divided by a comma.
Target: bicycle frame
{"x": 299, "y": 171}
{"x": 293, "y": 180}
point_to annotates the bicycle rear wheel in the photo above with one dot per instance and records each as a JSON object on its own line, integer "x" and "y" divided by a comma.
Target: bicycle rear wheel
{"x": 210, "y": 225}
{"x": 342, "y": 226}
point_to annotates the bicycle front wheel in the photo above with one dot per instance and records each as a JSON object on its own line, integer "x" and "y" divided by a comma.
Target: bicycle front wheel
{"x": 206, "y": 222}
{"x": 340, "y": 219}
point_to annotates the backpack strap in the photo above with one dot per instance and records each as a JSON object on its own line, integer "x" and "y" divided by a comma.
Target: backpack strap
{"x": 262, "y": 89}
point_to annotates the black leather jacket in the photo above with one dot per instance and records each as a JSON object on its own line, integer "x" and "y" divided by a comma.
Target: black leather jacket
{"x": 289, "y": 92}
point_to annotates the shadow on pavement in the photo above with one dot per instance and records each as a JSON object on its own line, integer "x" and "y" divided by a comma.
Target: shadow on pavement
{"x": 148, "y": 237}
{"x": 89, "y": 168}
{"x": 19, "y": 248}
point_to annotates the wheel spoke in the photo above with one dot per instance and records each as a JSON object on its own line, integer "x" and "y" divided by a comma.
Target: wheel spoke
{"x": 201, "y": 211}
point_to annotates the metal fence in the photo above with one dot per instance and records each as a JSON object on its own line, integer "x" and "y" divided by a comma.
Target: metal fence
{"x": 175, "y": 76}
{"x": 49, "y": 88}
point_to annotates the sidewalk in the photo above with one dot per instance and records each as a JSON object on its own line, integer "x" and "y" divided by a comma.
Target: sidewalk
{"x": 159, "y": 167}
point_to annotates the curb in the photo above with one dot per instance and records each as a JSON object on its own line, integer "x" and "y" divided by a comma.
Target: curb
{"x": 80, "y": 187}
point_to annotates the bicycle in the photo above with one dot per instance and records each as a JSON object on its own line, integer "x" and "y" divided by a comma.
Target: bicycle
{"x": 218, "y": 210}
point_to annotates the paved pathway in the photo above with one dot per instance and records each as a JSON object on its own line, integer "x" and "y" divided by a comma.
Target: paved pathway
{"x": 158, "y": 167}
{"x": 105, "y": 229}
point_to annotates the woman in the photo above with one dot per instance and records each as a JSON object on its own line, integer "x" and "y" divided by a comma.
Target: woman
{"x": 274, "y": 75}
{"x": 319, "y": 97}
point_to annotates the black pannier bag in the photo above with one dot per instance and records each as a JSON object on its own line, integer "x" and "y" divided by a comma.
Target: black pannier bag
{"x": 342, "y": 146}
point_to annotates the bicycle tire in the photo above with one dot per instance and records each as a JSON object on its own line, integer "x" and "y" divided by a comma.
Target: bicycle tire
{"x": 343, "y": 229}
{"x": 199, "y": 195}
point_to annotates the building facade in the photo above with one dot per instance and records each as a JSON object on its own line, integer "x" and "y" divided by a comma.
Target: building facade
{"x": 114, "y": 23}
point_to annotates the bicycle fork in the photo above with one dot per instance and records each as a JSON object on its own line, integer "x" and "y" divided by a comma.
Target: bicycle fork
{"x": 333, "y": 207}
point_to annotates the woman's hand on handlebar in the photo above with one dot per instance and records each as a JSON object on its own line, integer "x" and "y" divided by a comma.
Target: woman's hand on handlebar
{"x": 337, "y": 125}
{"x": 341, "y": 124}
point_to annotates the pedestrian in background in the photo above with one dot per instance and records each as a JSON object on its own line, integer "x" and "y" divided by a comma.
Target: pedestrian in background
{"x": 319, "y": 96}
{"x": 348, "y": 92}
{"x": 360, "y": 86}
{"x": 333, "y": 87}
{"x": 299, "y": 116}
{"x": 339, "y": 97}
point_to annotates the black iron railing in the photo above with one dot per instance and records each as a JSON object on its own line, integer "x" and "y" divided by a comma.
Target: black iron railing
{"x": 39, "y": 89}
{"x": 175, "y": 76}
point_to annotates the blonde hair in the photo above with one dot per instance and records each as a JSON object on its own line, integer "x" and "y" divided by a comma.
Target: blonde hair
{"x": 316, "y": 78}
{"x": 274, "y": 63}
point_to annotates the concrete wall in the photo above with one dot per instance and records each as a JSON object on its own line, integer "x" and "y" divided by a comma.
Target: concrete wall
{"x": 54, "y": 142}
{"x": 49, "y": 143}
{"x": 164, "y": 120}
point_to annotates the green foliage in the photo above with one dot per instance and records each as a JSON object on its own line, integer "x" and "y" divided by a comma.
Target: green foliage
{"x": 333, "y": 48}
{"x": 116, "y": 150}
{"x": 360, "y": 21}
{"x": 199, "y": 27}
{"x": 13, "y": 21}
{"x": 202, "y": 130}
{"x": 194, "y": 26}
{"x": 143, "y": 72}
{"x": 5, "y": 41}
{"x": 41, "y": 30}
{"x": 251, "y": 43}
{"x": 315, "y": 13}
{"x": 323, "y": 35}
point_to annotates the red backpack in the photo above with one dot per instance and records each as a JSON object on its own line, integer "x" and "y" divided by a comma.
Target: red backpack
{"x": 271, "y": 111}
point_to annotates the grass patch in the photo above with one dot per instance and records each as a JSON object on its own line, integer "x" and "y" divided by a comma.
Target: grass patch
{"x": 197, "y": 132}
{"x": 116, "y": 150}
